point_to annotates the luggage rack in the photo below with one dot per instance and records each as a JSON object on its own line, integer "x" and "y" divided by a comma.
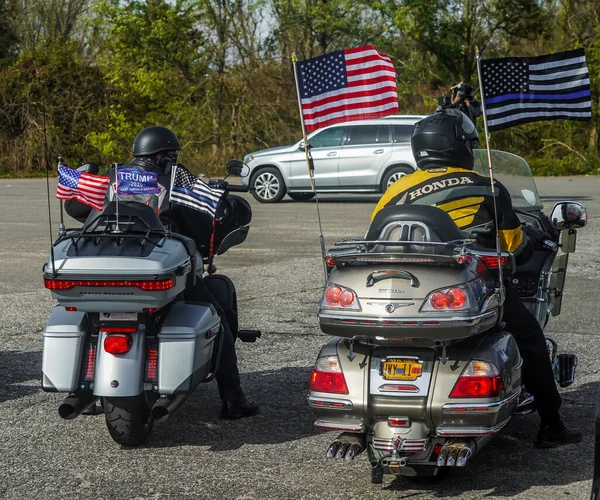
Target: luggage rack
{"x": 128, "y": 221}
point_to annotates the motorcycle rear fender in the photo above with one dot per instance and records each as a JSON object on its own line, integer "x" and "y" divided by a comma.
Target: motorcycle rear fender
{"x": 120, "y": 375}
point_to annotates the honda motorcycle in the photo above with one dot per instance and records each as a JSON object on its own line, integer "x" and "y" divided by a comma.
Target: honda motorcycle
{"x": 420, "y": 372}
{"x": 123, "y": 332}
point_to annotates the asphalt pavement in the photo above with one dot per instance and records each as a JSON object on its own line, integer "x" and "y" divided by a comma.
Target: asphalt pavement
{"x": 277, "y": 454}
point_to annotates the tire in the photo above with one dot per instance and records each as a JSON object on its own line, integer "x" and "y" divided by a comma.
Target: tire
{"x": 393, "y": 174}
{"x": 301, "y": 196}
{"x": 267, "y": 185}
{"x": 128, "y": 419}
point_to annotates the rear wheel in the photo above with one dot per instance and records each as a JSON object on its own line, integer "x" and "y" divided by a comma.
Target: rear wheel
{"x": 301, "y": 196}
{"x": 393, "y": 174}
{"x": 129, "y": 419}
{"x": 267, "y": 185}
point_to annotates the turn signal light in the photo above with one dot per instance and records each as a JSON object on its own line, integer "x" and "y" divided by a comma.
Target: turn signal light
{"x": 118, "y": 343}
{"x": 479, "y": 379}
{"x": 491, "y": 261}
{"x": 454, "y": 298}
{"x": 151, "y": 286}
{"x": 327, "y": 376}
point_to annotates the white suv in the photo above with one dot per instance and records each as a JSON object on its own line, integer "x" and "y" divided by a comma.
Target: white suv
{"x": 363, "y": 156}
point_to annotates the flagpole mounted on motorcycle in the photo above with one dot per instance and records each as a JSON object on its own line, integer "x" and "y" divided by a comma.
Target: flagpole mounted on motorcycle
{"x": 310, "y": 164}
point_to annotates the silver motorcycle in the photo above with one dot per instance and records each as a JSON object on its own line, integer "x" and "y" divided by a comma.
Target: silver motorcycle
{"x": 420, "y": 371}
{"x": 122, "y": 332}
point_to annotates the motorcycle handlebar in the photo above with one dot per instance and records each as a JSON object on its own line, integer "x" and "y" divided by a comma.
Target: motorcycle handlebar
{"x": 550, "y": 245}
{"x": 237, "y": 189}
{"x": 221, "y": 184}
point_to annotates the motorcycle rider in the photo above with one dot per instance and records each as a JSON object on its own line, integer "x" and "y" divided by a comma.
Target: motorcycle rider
{"x": 443, "y": 148}
{"x": 463, "y": 99}
{"x": 155, "y": 149}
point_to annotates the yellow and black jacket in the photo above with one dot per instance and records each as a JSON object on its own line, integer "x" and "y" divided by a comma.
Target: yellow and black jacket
{"x": 467, "y": 197}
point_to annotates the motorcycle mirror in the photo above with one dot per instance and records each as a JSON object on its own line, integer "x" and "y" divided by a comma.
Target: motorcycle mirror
{"x": 569, "y": 215}
{"x": 237, "y": 168}
{"x": 90, "y": 168}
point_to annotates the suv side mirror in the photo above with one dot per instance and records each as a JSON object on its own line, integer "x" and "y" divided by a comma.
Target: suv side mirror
{"x": 237, "y": 168}
{"x": 569, "y": 215}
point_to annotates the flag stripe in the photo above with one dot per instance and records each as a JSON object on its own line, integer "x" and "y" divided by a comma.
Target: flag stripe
{"x": 536, "y": 117}
{"x": 552, "y": 71}
{"x": 559, "y": 74}
{"x": 352, "y": 114}
{"x": 533, "y": 106}
{"x": 560, "y": 86}
{"x": 556, "y": 64}
{"x": 355, "y": 104}
{"x": 355, "y": 99}
{"x": 195, "y": 196}
{"x": 538, "y": 97}
{"x": 362, "y": 90}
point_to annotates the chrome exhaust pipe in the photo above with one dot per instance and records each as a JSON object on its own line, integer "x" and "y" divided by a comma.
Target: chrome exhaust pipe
{"x": 451, "y": 461}
{"x": 164, "y": 407}
{"x": 75, "y": 404}
{"x": 333, "y": 448}
{"x": 441, "y": 461}
{"x": 353, "y": 450}
{"x": 342, "y": 450}
{"x": 403, "y": 462}
{"x": 463, "y": 456}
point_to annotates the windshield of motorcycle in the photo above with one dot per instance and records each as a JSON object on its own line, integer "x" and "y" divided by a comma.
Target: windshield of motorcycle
{"x": 514, "y": 173}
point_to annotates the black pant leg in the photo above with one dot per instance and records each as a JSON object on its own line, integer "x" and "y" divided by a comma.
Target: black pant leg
{"x": 537, "y": 369}
{"x": 228, "y": 375}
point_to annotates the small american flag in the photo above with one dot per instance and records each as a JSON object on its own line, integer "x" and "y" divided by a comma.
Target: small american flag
{"x": 352, "y": 84}
{"x": 89, "y": 189}
{"x": 193, "y": 192}
{"x": 527, "y": 89}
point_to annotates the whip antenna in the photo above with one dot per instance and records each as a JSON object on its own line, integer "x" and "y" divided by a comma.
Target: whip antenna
{"x": 47, "y": 161}
{"x": 491, "y": 170}
{"x": 310, "y": 164}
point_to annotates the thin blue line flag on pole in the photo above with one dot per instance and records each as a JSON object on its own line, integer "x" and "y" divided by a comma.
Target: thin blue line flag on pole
{"x": 527, "y": 89}
{"x": 189, "y": 190}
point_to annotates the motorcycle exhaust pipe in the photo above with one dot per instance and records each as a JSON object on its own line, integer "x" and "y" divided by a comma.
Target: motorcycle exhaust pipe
{"x": 164, "y": 407}
{"x": 75, "y": 404}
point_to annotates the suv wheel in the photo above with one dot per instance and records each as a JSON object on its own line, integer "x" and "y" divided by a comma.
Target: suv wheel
{"x": 267, "y": 185}
{"x": 301, "y": 196}
{"x": 393, "y": 174}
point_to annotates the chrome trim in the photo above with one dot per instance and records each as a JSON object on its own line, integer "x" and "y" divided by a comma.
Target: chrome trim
{"x": 406, "y": 445}
{"x": 492, "y": 407}
{"x": 455, "y": 320}
{"x": 346, "y": 404}
{"x": 470, "y": 431}
{"x": 340, "y": 426}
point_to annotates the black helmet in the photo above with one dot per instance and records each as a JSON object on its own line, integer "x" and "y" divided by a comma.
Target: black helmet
{"x": 444, "y": 139}
{"x": 153, "y": 140}
{"x": 466, "y": 90}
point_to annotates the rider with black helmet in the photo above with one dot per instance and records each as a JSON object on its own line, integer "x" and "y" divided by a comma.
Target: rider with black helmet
{"x": 155, "y": 149}
{"x": 443, "y": 148}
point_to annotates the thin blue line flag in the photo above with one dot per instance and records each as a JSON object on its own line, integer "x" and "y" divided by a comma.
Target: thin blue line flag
{"x": 527, "y": 89}
{"x": 189, "y": 190}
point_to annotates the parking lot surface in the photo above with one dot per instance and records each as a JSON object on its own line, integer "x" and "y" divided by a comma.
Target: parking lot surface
{"x": 277, "y": 454}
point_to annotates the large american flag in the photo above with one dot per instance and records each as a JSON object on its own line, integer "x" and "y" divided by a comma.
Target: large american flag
{"x": 527, "y": 89}
{"x": 89, "y": 189}
{"x": 193, "y": 192}
{"x": 352, "y": 84}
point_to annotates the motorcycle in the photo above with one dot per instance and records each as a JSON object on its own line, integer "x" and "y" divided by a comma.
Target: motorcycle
{"x": 123, "y": 332}
{"x": 420, "y": 372}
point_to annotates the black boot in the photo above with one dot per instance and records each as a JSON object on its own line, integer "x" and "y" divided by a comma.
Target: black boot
{"x": 552, "y": 436}
{"x": 239, "y": 409}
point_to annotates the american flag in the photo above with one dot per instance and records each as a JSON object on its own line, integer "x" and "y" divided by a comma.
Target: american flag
{"x": 527, "y": 89}
{"x": 89, "y": 189}
{"x": 193, "y": 192}
{"x": 352, "y": 84}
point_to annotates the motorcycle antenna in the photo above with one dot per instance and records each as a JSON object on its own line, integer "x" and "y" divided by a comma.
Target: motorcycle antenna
{"x": 310, "y": 164}
{"x": 47, "y": 162}
{"x": 490, "y": 168}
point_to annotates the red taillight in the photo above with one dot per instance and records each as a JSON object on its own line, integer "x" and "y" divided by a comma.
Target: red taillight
{"x": 327, "y": 376}
{"x": 151, "y": 370}
{"x": 337, "y": 296}
{"x": 399, "y": 422}
{"x": 151, "y": 286}
{"x": 329, "y": 261}
{"x": 90, "y": 364}
{"x": 328, "y": 382}
{"x": 71, "y": 309}
{"x": 118, "y": 329}
{"x": 454, "y": 298}
{"x": 492, "y": 261}
{"x": 118, "y": 343}
{"x": 480, "y": 379}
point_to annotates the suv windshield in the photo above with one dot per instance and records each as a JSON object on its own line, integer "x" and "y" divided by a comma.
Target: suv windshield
{"x": 514, "y": 172}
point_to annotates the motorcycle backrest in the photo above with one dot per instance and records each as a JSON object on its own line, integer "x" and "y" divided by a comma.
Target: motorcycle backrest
{"x": 133, "y": 215}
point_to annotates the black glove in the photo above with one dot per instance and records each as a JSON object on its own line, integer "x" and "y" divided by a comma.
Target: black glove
{"x": 536, "y": 236}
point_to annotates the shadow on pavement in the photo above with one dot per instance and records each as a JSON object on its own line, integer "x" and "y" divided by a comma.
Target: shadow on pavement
{"x": 509, "y": 465}
{"x": 19, "y": 367}
{"x": 284, "y": 414}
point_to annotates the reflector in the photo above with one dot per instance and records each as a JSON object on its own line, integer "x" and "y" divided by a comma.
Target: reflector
{"x": 118, "y": 343}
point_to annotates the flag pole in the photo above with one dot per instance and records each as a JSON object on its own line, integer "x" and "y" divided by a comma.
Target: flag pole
{"x": 47, "y": 162}
{"x": 310, "y": 164}
{"x": 491, "y": 170}
{"x": 117, "y": 229}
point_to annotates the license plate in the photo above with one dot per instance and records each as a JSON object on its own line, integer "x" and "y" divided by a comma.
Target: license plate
{"x": 118, "y": 316}
{"x": 401, "y": 369}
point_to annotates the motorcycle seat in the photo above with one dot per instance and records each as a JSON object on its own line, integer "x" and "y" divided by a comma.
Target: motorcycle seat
{"x": 441, "y": 227}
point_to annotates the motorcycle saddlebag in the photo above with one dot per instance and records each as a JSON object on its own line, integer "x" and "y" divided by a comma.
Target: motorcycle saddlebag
{"x": 185, "y": 346}
{"x": 64, "y": 340}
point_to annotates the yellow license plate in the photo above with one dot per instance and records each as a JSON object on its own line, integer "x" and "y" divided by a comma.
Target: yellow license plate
{"x": 401, "y": 369}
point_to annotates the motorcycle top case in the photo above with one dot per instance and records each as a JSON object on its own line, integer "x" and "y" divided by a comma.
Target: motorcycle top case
{"x": 391, "y": 302}
{"x": 128, "y": 277}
